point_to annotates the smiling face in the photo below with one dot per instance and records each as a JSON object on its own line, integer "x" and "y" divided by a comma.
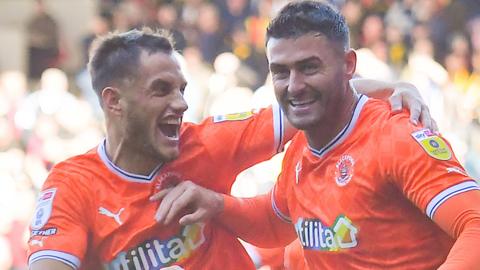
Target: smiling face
{"x": 310, "y": 76}
{"x": 153, "y": 107}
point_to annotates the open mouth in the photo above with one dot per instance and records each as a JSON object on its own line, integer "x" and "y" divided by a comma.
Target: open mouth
{"x": 171, "y": 131}
{"x": 296, "y": 103}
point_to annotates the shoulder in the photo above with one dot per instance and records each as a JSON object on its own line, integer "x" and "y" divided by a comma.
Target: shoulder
{"x": 76, "y": 171}
{"x": 380, "y": 120}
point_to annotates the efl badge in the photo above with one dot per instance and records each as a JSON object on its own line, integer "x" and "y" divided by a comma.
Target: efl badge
{"x": 43, "y": 210}
{"x": 435, "y": 146}
{"x": 344, "y": 171}
{"x": 232, "y": 117}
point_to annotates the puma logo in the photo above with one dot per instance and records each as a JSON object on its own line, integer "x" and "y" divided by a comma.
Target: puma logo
{"x": 298, "y": 168}
{"x": 108, "y": 213}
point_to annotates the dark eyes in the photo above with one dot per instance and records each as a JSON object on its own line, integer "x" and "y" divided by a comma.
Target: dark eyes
{"x": 309, "y": 68}
{"x": 280, "y": 72}
{"x": 162, "y": 88}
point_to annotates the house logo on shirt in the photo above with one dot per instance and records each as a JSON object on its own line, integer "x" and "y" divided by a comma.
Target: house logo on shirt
{"x": 314, "y": 235}
{"x": 344, "y": 170}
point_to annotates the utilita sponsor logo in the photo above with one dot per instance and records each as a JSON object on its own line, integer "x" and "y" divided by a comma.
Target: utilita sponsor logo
{"x": 314, "y": 235}
{"x": 156, "y": 254}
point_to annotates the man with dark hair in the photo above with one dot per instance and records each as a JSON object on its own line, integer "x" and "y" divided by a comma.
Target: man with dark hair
{"x": 360, "y": 187}
{"x": 94, "y": 210}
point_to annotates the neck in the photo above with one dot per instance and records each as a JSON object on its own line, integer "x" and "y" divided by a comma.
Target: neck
{"x": 330, "y": 127}
{"x": 127, "y": 157}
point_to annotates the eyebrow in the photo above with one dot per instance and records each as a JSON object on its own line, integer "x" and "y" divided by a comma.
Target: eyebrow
{"x": 299, "y": 62}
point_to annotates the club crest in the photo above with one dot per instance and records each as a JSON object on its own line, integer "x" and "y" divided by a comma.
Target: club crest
{"x": 344, "y": 170}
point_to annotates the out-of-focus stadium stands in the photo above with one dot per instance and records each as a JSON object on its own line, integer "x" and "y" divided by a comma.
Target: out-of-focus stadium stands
{"x": 49, "y": 116}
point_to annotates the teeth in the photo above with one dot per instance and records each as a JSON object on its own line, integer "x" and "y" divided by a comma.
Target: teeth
{"x": 173, "y": 121}
{"x": 301, "y": 102}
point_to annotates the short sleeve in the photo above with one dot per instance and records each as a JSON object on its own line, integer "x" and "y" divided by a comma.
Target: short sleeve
{"x": 282, "y": 186}
{"x": 59, "y": 225}
{"x": 422, "y": 164}
{"x": 238, "y": 141}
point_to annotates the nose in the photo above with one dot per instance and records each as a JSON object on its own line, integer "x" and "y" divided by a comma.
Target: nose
{"x": 178, "y": 104}
{"x": 296, "y": 82}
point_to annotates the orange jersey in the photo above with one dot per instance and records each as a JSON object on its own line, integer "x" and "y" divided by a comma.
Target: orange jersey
{"x": 93, "y": 215}
{"x": 366, "y": 200}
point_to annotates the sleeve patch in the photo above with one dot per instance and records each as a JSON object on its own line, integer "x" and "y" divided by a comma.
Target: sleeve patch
{"x": 43, "y": 209}
{"x": 232, "y": 117}
{"x": 433, "y": 145}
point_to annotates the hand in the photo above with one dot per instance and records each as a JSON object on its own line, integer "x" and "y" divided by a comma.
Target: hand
{"x": 199, "y": 203}
{"x": 406, "y": 94}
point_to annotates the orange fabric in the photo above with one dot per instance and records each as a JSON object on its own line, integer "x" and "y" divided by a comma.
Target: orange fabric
{"x": 294, "y": 258}
{"x": 360, "y": 203}
{"x": 460, "y": 217}
{"x": 102, "y": 216}
{"x": 271, "y": 257}
{"x": 242, "y": 216}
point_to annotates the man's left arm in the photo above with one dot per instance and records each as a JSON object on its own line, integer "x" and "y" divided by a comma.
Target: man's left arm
{"x": 459, "y": 216}
{"x": 400, "y": 95}
{"x": 425, "y": 168}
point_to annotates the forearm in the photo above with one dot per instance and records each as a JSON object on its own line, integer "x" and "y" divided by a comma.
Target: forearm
{"x": 373, "y": 88}
{"x": 460, "y": 217}
{"x": 464, "y": 253}
{"x": 253, "y": 220}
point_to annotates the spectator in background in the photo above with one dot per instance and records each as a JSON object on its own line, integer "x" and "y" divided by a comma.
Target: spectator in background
{"x": 100, "y": 24}
{"x": 167, "y": 18}
{"x": 210, "y": 33}
{"x": 43, "y": 41}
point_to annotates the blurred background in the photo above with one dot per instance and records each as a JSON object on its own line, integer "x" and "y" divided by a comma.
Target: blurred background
{"x": 48, "y": 111}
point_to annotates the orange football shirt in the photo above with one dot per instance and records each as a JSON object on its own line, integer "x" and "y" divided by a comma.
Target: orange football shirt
{"x": 93, "y": 215}
{"x": 366, "y": 200}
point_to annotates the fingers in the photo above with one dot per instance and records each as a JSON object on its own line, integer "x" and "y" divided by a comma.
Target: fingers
{"x": 426, "y": 118}
{"x": 188, "y": 199}
{"x": 415, "y": 111}
{"x": 194, "y": 217}
{"x": 396, "y": 103}
{"x": 435, "y": 126}
{"x": 159, "y": 195}
{"x": 180, "y": 204}
{"x": 168, "y": 201}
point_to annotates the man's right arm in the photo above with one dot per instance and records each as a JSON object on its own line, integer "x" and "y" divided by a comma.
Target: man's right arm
{"x": 49, "y": 264}
{"x": 251, "y": 219}
{"x": 254, "y": 221}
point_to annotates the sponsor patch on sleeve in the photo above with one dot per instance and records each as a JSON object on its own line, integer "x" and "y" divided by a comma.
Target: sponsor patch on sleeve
{"x": 232, "y": 117}
{"x": 43, "y": 210}
{"x": 435, "y": 146}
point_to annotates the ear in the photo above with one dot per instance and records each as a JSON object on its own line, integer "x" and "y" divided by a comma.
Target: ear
{"x": 111, "y": 100}
{"x": 350, "y": 63}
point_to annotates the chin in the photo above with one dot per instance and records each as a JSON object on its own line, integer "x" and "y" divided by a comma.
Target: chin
{"x": 302, "y": 124}
{"x": 167, "y": 156}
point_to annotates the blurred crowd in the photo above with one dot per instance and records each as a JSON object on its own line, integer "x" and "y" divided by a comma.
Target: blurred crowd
{"x": 48, "y": 114}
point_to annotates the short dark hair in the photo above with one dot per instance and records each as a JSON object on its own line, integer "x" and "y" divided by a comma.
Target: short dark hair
{"x": 114, "y": 57}
{"x": 303, "y": 17}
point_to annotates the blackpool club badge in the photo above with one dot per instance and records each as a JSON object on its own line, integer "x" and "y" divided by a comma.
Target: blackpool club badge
{"x": 344, "y": 170}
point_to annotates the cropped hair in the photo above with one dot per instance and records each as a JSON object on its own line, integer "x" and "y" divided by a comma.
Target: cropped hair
{"x": 114, "y": 58}
{"x": 305, "y": 17}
